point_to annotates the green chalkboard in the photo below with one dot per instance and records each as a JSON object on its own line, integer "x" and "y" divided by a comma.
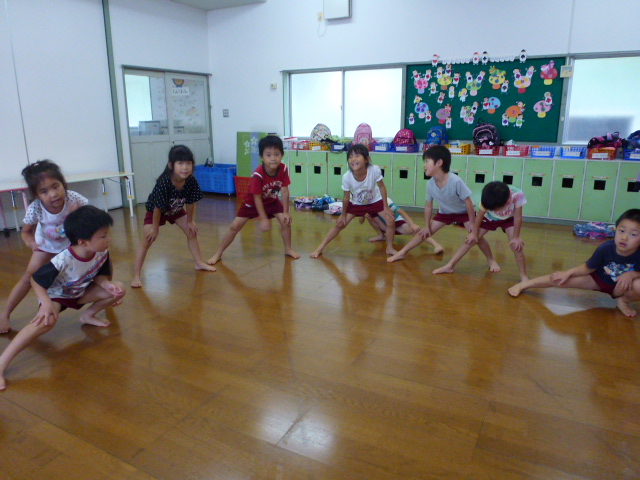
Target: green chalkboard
{"x": 521, "y": 112}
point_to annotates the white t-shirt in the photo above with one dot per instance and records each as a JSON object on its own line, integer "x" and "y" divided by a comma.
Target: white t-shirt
{"x": 367, "y": 191}
{"x": 50, "y": 227}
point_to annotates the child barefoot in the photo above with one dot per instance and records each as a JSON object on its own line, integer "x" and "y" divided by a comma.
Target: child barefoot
{"x": 75, "y": 277}
{"x": 43, "y": 228}
{"x": 262, "y": 202}
{"x": 174, "y": 188}
{"x": 614, "y": 268}
{"x": 364, "y": 182}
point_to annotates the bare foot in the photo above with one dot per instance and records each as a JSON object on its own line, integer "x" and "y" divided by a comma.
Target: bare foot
{"x": 515, "y": 290}
{"x": 205, "y": 266}
{"x": 523, "y": 278}
{"x": 445, "y": 269}
{"x": 91, "y": 320}
{"x": 315, "y": 253}
{"x": 493, "y": 266}
{"x": 625, "y": 308}
{"x": 391, "y": 251}
{"x": 292, "y": 253}
{"x": 377, "y": 238}
{"x": 135, "y": 282}
{"x": 397, "y": 256}
{"x": 215, "y": 259}
{"x": 438, "y": 250}
{"x": 4, "y": 325}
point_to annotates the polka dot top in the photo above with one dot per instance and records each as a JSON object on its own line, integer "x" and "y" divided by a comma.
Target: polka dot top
{"x": 169, "y": 199}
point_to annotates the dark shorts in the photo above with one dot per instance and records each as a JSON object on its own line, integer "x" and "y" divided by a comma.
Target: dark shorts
{"x": 495, "y": 224}
{"x": 449, "y": 218}
{"x": 399, "y": 224}
{"x": 361, "y": 210}
{"x": 148, "y": 218}
{"x": 68, "y": 303}
{"x": 602, "y": 285}
{"x": 250, "y": 211}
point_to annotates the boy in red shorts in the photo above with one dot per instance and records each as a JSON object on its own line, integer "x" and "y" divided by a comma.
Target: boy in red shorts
{"x": 262, "y": 201}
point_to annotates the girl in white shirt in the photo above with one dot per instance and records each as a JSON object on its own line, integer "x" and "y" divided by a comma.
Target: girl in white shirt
{"x": 43, "y": 229}
{"x": 364, "y": 195}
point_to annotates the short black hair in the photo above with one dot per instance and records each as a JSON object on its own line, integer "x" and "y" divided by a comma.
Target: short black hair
{"x": 177, "y": 153}
{"x": 270, "y": 141}
{"x": 632, "y": 214}
{"x": 438, "y": 152}
{"x": 495, "y": 195}
{"x": 83, "y": 223}
{"x": 359, "y": 149}
{"x": 34, "y": 173}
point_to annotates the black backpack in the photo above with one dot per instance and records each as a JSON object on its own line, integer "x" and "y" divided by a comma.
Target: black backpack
{"x": 486, "y": 135}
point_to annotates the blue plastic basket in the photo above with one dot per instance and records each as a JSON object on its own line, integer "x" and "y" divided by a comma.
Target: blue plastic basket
{"x": 216, "y": 179}
{"x": 405, "y": 148}
{"x": 382, "y": 147}
{"x": 633, "y": 154}
{"x": 573, "y": 152}
{"x": 542, "y": 152}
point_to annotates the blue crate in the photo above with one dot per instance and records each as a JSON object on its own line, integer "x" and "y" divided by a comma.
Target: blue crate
{"x": 216, "y": 179}
{"x": 632, "y": 154}
{"x": 382, "y": 147}
{"x": 405, "y": 148}
{"x": 542, "y": 152}
{"x": 573, "y": 152}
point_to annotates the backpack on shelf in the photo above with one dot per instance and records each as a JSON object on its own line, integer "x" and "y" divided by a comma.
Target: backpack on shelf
{"x": 486, "y": 135}
{"x": 608, "y": 140}
{"x": 404, "y": 137}
{"x": 437, "y": 136}
{"x": 595, "y": 230}
{"x": 632, "y": 142}
{"x": 364, "y": 136}
{"x": 320, "y": 133}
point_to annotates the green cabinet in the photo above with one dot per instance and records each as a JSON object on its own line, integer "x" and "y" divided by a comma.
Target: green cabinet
{"x": 509, "y": 170}
{"x": 566, "y": 192}
{"x": 599, "y": 190}
{"x": 336, "y": 167}
{"x": 479, "y": 173}
{"x": 459, "y": 166}
{"x": 403, "y": 179}
{"x": 536, "y": 185}
{"x": 317, "y": 173}
{"x": 298, "y": 170}
{"x": 627, "y": 193}
{"x": 384, "y": 161}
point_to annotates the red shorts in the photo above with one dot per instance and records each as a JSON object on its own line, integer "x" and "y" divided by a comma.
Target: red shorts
{"x": 361, "y": 210}
{"x": 602, "y": 285}
{"x": 148, "y": 218}
{"x": 449, "y": 218}
{"x": 399, "y": 224}
{"x": 495, "y": 224}
{"x": 68, "y": 303}
{"x": 250, "y": 211}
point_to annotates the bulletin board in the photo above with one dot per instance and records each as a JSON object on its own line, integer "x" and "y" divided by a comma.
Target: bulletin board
{"x": 522, "y": 99}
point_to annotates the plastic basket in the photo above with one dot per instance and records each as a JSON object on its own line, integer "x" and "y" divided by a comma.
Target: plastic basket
{"x": 216, "y": 179}
{"x": 317, "y": 146}
{"x": 515, "y": 150}
{"x": 462, "y": 149}
{"x": 382, "y": 147}
{"x": 339, "y": 147}
{"x": 542, "y": 152}
{"x": 487, "y": 150}
{"x": 632, "y": 154}
{"x": 604, "y": 153}
{"x": 242, "y": 186}
{"x": 406, "y": 148}
{"x": 573, "y": 152}
{"x": 301, "y": 145}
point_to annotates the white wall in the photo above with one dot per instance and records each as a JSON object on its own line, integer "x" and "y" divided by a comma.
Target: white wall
{"x": 159, "y": 35}
{"x": 251, "y": 45}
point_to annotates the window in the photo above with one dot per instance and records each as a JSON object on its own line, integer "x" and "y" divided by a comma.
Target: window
{"x": 342, "y": 99}
{"x": 604, "y": 97}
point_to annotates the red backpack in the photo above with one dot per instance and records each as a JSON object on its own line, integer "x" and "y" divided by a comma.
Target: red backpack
{"x": 364, "y": 136}
{"x": 404, "y": 137}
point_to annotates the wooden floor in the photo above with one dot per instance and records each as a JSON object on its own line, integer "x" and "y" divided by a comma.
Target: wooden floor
{"x": 344, "y": 367}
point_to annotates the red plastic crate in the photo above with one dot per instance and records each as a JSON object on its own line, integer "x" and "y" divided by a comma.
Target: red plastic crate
{"x": 515, "y": 150}
{"x": 487, "y": 150}
{"x": 242, "y": 186}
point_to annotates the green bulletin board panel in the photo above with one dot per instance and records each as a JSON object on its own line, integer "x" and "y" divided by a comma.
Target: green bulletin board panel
{"x": 518, "y": 113}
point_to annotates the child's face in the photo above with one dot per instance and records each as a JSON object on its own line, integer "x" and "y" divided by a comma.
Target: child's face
{"x": 99, "y": 242}
{"x": 182, "y": 169}
{"x": 357, "y": 162}
{"x": 52, "y": 194}
{"x": 272, "y": 158}
{"x": 430, "y": 167}
{"x": 627, "y": 237}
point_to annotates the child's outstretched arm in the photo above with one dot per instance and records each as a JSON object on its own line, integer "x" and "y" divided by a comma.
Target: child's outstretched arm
{"x": 478, "y": 221}
{"x": 28, "y": 235}
{"x": 110, "y": 286}
{"x": 263, "y": 220}
{"x": 625, "y": 281}
{"x": 472, "y": 238}
{"x": 192, "y": 228}
{"x": 285, "y": 204}
{"x": 428, "y": 213}
{"x": 152, "y": 233}
{"x": 560, "y": 278}
{"x": 342, "y": 219}
{"x": 46, "y": 315}
{"x": 516, "y": 242}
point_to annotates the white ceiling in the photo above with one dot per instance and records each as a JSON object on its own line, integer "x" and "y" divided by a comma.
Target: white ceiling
{"x": 208, "y": 5}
